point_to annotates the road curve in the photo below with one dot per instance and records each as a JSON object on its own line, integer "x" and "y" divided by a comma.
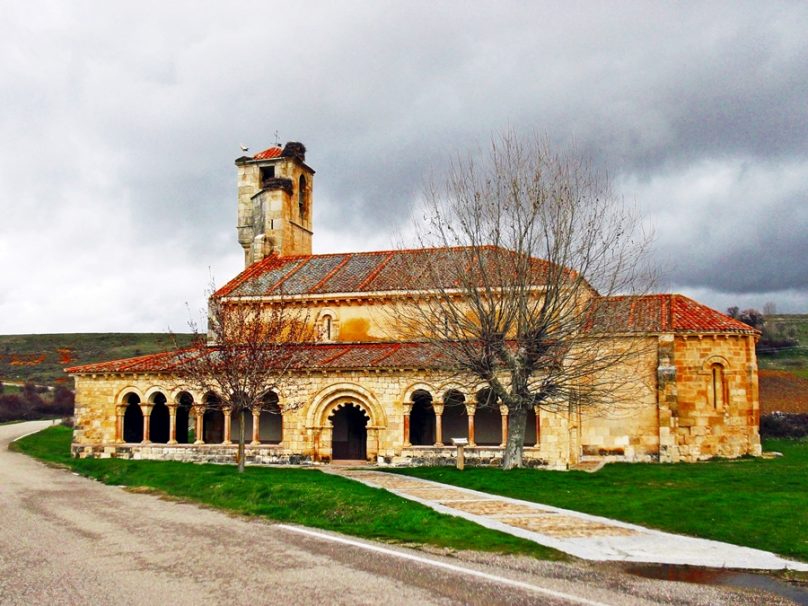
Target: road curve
{"x": 68, "y": 540}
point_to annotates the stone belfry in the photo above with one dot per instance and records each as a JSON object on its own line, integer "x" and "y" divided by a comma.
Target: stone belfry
{"x": 274, "y": 203}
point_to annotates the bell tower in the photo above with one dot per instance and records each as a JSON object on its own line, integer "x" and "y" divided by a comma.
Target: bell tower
{"x": 274, "y": 203}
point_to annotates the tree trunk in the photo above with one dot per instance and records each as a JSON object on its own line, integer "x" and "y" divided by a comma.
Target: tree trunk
{"x": 241, "y": 432}
{"x": 512, "y": 457}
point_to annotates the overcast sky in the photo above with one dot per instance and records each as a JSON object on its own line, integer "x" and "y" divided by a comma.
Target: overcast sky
{"x": 120, "y": 125}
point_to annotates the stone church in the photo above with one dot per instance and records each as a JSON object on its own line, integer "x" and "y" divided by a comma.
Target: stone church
{"x": 365, "y": 396}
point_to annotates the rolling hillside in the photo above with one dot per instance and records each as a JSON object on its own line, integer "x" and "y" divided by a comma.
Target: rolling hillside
{"x": 41, "y": 358}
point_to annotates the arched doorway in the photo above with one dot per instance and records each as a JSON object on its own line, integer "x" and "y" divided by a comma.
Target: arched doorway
{"x": 349, "y": 436}
{"x": 133, "y": 420}
{"x": 159, "y": 420}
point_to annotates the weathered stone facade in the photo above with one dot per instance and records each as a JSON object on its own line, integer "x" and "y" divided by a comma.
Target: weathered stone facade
{"x": 369, "y": 394}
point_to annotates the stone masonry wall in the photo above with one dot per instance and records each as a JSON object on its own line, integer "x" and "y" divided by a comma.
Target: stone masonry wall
{"x": 702, "y": 427}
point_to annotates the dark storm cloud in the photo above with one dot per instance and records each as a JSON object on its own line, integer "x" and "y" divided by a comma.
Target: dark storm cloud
{"x": 121, "y": 124}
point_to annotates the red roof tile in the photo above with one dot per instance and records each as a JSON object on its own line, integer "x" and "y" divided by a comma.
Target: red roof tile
{"x": 268, "y": 154}
{"x": 380, "y": 271}
{"x": 661, "y": 313}
{"x": 315, "y": 356}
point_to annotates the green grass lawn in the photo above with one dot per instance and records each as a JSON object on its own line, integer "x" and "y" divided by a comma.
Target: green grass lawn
{"x": 753, "y": 502}
{"x": 300, "y": 496}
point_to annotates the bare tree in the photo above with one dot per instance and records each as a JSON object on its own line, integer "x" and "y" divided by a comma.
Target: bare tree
{"x": 249, "y": 351}
{"x": 525, "y": 242}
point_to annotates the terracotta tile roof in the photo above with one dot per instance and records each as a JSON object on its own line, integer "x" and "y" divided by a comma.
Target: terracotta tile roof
{"x": 368, "y": 272}
{"x": 661, "y": 313}
{"x": 159, "y": 362}
{"x": 268, "y": 154}
{"x": 315, "y": 356}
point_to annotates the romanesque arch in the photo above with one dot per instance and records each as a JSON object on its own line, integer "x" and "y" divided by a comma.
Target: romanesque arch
{"x": 184, "y": 402}
{"x": 132, "y": 430}
{"x": 158, "y": 418}
{"x": 455, "y": 417}
{"x": 346, "y": 419}
{"x": 213, "y": 420}
{"x": 341, "y": 393}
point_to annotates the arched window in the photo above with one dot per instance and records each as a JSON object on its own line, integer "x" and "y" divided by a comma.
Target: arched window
{"x": 718, "y": 386}
{"x": 422, "y": 419}
{"x": 487, "y": 419}
{"x": 184, "y": 428}
{"x": 271, "y": 419}
{"x": 328, "y": 327}
{"x": 455, "y": 418}
{"x": 301, "y": 197}
{"x": 132, "y": 419}
{"x": 159, "y": 419}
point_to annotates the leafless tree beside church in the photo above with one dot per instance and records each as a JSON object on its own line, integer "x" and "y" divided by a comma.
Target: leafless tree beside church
{"x": 248, "y": 353}
{"x": 513, "y": 309}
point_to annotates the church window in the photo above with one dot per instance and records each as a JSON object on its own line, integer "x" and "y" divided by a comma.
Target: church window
{"x": 718, "y": 387}
{"x": 301, "y": 197}
{"x": 327, "y": 328}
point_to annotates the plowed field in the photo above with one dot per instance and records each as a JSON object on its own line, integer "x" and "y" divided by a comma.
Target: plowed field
{"x": 782, "y": 391}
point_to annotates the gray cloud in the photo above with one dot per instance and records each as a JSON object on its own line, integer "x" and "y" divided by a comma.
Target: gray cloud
{"x": 121, "y": 124}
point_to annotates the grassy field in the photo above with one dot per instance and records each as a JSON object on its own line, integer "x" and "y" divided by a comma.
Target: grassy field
{"x": 753, "y": 502}
{"x": 41, "y": 358}
{"x": 794, "y": 359}
{"x": 301, "y": 496}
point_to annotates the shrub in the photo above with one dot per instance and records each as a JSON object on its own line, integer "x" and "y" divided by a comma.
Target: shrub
{"x": 784, "y": 425}
{"x": 63, "y": 401}
{"x": 12, "y": 408}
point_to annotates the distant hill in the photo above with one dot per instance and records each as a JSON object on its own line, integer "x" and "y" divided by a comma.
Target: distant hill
{"x": 793, "y": 358}
{"x": 41, "y": 358}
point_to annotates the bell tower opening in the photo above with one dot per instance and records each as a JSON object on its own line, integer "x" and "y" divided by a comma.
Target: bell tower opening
{"x": 275, "y": 203}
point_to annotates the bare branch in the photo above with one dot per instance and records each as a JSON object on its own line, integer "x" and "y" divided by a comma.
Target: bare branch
{"x": 525, "y": 242}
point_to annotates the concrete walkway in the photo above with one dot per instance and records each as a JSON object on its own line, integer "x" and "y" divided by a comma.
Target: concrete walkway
{"x": 579, "y": 534}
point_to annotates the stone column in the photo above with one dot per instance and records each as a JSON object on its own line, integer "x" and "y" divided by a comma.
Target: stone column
{"x": 256, "y": 433}
{"x": 199, "y": 424}
{"x": 146, "y": 423}
{"x": 503, "y": 410}
{"x": 172, "y": 424}
{"x": 315, "y": 439}
{"x": 119, "y": 412}
{"x": 407, "y": 406}
{"x": 227, "y": 411}
{"x": 326, "y": 442}
{"x": 537, "y": 411}
{"x": 471, "y": 410}
{"x": 438, "y": 424}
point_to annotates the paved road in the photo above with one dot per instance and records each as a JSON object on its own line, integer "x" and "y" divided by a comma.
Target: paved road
{"x": 69, "y": 540}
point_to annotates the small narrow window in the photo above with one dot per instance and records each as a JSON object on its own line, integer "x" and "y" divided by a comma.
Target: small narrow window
{"x": 327, "y": 328}
{"x": 717, "y": 386}
{"x": 301, "y": 197}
